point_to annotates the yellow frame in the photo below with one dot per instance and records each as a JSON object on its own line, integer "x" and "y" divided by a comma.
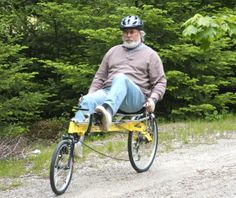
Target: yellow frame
{"x": 128, "y": 126}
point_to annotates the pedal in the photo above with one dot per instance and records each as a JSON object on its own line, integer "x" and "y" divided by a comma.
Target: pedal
{"x": 97, "y": 119}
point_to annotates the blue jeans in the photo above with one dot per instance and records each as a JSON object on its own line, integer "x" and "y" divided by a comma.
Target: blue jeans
{"x": 123, "y": 94}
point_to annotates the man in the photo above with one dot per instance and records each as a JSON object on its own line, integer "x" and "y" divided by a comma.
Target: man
{"x": 130, "y": 77}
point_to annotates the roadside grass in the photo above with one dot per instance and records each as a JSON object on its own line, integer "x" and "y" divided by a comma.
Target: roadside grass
{"x": 109, "y": 148}
{"x": 12, "y": 168}
{"x": 171, "y": 136}
{"x": 9, "y": 184}
{"x": 39, "y": 163}
{"x": 109, "y": 144}
{"x": 31, "y": 164}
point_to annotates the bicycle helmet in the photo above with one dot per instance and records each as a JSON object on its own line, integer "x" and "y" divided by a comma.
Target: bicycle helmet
{"x": 131, "y": 22}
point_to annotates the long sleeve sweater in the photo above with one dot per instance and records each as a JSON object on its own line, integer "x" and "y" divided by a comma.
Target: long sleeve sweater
{"x": 141, "y": 65}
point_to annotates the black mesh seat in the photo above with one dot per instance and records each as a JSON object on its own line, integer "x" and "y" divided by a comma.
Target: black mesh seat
{"x": 128, "y": 113}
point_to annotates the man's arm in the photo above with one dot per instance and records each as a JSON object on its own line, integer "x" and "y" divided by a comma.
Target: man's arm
{"x": 158, "y": 82}
{"x": 157, "y": 77}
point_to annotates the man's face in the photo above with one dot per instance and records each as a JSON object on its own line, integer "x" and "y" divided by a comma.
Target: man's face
{"x": 131, "y": 38}
{"x": 131, "y": 35}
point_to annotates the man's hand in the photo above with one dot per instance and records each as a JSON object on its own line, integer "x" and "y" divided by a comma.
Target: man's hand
{"x": 150, "y": 105}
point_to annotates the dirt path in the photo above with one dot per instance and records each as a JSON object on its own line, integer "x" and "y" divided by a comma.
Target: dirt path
{"x": 202, "y": 171}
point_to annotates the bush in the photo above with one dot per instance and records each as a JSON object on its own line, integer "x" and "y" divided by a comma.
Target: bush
{"x": 48, "y": 129}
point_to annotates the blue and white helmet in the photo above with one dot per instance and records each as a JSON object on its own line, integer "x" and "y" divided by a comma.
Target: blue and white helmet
{"x": 131, "y": 22}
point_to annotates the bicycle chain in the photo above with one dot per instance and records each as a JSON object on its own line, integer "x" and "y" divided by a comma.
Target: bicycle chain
{"x": 103, "y": 154}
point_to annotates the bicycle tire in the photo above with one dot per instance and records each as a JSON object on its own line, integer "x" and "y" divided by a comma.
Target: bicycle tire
{"x": 141, "y": 151}
{"x": 61, "y": 168}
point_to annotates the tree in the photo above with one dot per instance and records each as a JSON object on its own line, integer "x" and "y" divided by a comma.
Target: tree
{"x": 20, "y": 98}
{"x": 205, "y": 30}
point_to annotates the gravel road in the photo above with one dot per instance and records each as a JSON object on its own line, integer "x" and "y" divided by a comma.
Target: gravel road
{"x": 203, "y": 171}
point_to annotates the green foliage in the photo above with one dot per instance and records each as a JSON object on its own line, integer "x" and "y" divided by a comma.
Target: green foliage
{"x": 181, "y": 85}
{"x": 225, "y": 101}
{"x": 205, "y": 29}
{"x": 12, "y": 129}
{"x": 207, "y": 111}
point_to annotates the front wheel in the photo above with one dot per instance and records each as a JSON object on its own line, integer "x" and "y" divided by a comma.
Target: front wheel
{"x": 61, "y": 168}
{"x": 142, "y": 151}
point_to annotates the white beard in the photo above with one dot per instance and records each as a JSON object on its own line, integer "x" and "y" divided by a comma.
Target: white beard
{"x": 131, "y": 44}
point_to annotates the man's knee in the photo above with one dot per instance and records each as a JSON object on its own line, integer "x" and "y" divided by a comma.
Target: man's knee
{"x": 85, "y": 100}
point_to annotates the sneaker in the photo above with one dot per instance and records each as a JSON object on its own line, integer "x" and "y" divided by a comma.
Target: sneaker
{"x": 74, "y": 120}
{"x": 106, "y": 118}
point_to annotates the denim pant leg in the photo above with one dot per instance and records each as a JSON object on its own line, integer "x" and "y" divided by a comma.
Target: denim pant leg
{"x": 124, "y": 95}
{"x": 90, "y": 102}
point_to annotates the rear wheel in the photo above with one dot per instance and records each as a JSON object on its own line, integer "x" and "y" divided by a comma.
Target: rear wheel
{"x": 61, "y": 168}
{"x": 142, "y": 151}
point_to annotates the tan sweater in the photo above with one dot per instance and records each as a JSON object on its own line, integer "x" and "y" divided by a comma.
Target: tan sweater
{"x": 141, "y": 65}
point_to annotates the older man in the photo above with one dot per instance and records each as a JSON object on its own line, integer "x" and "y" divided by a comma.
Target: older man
{"x": 130, "y": 77}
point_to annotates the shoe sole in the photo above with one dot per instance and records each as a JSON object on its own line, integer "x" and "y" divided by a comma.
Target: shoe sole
{"x": 100, "y": 110}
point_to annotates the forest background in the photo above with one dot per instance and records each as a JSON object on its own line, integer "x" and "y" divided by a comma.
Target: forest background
{"x": 50, "y": 51}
